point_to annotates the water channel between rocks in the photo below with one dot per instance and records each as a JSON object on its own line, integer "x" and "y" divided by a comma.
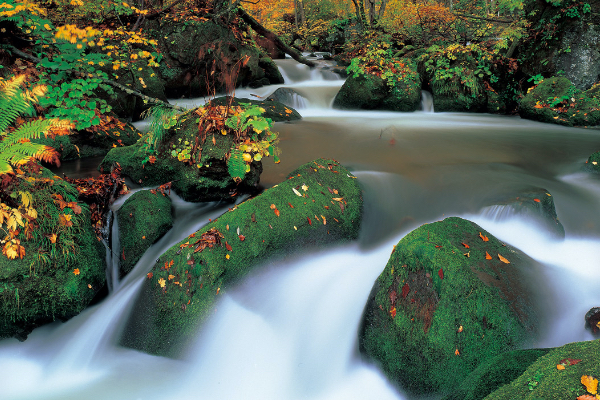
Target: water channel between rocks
{"x": 290, "y": 330}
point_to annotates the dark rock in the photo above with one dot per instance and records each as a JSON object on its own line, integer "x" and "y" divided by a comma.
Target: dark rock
{"x": 593, "y": 163}
{"x": 287, "y": 96}
{"x": 275, "y": 223}
{"x": 592, "y": 321}
{"x": 447, "y": 302}
{"x": 143, "y": 219}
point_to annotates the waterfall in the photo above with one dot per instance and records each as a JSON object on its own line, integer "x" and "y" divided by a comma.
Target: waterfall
{"x": 426, "y": 101}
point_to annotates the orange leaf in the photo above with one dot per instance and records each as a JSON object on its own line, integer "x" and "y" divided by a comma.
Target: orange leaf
{"x": 587, "y": 397}
{"x": 242, "y": 238}
{"x": 456, "y": 352}
{"x": 149, "y": 275}
{"x": 483, "y": 237}
{"x": 393, "y": 312}
{"x": 487, "y": 256}
{"x": 560, "y": 367}
{"x": 228, "y": 246}
{"x": 277, "y": 212}
{"x": 536, "y": 200}
{"x": 466, "y": 245}
{"x": 309, "y": 221}
{"x": 76, "y": 271}
{"x": 504, "y": 260}
{"x": 65, "y": 220}
{"x": 590, "y": 383}
{"x": 152, "y": 159}
{"x": 273, "y": 206}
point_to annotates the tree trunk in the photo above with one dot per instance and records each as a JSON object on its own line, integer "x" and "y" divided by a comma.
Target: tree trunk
{"x": 301, "y": 12}
{"x": 358, "y": 14}
{"x": 261, "y": 30}
{"x": 382, "y": 9}
{"x": 371, "y": 11}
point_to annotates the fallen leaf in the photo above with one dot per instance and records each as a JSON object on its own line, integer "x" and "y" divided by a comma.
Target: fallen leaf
{"x": 162, "y": 282}
{"x": 487, "y": 256}
{"x": 290, "y": 204}
{"x": 76, "y": 271}
{"x": 227, "y": 256}
{"x": 228, "y": 246}
{"x": 171, "y": 277}
{"x": 393, "y": 312}
{"x": 560, "y": 367}
{"x": 149, "y": 275}
{"x": 570, "y": 361}
{"x": 393, "y": 297}
{"x": 405, "y": 290}
{"x": 536, "y": 200}
{"x": 338, "y": 198}
{"x": 324, "y": 220}
{"x": 483, "y": 237}
{"x": 504, "y": 260}
{"x": 309, "y": 221}
{"x": 441, "y": 273}
{"x": 296, "y": 192}
{"x": 460, "y": 329}
{"x": 273, "y": 206}
{"x": 466, "y": 245}
{"x": 590, "y": 383}
{"x": 304, "y": 187}
{"x": 65, "y": 220}
{"x": 456, "y": 352}
{"x": 587, "y": 397}
{"x": 277, "y": 212}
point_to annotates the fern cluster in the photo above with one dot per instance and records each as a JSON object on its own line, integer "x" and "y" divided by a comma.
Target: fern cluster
{"x": 16, "y": 147}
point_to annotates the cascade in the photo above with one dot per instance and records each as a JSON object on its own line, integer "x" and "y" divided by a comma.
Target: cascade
{"x": 289, "y": 331}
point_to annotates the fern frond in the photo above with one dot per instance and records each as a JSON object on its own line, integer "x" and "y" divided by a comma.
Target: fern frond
{"x": 236, "y": 166}
{"x": 29, "y": 130}
{"x": 5, "y": 167}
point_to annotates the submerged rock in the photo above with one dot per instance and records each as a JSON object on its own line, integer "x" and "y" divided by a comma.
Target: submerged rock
{"x": 556, "y": 100}
{"x": 450, "y": 297}
{"x": 319, "y": 204}
{"x": 557, "y": 375}
{"x": 536, "y": 203}
{"x": 63, "y": 267}
{"x": 143, "y": 219}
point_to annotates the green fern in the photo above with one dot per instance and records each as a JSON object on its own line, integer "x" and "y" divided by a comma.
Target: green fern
{"x": 236, "y": 166}
{"x": 161, "y": 120}
{"x": 16, "y": 147}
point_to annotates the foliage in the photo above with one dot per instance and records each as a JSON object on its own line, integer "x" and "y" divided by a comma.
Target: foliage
{"x": 250, "y": 134}
{"x": 91, "y": 54}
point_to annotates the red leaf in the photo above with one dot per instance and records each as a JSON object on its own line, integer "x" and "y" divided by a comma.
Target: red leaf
{"x": 309, "y": 221}
{"x": 536, "y": 200}
{"x": 405, "y": 290}
{"x": 393, "y": 297}
{"x": 228, "y": 246}
{"x": 242, "y": 238}
{"x": 569, "y": 361}
{"x": 466, "y": 245}
{"x": 291, "y": 206}
{"x": 393, "y": 312}
{"x": 441, "y": 273}
{"x": 123, "y": 255}
{"x": 276, "y": 212}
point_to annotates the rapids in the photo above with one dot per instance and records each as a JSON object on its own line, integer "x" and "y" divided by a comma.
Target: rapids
{"x": 289, "y": 330}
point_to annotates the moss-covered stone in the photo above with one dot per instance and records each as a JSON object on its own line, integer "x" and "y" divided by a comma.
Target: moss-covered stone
{"x": 192, "y": 49}
{"x": 319, "y": 204}
{"x": 495, "y": 372}
{"x": 274, "y": 110}
{"x": 556, "y": 100}
{"x": 209, "y": 182}
{"x": 538, "y": 204}
{"x": 143, "y": 219}
{"x": 592, "y": 164}
{"x": 442, "y": 306}
{"x": 92, "y": 144}
{"x": 370, "y": 92}
{"x": 54, "y": 281}
{"x": 543, "y": 380}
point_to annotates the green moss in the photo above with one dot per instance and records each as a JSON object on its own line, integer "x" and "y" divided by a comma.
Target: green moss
{"x": 453, "y": 307}
{"x": 274, "y": 110}
{"x": 592, "y": 163}
{"x": 42, "y": 287}
{"x": 273, "y": 224}
{"x": 495, "y": 372}
{"x": 542, "y": 380}
{"x": 556, "y": 100}
{"x": 143, "y": 219}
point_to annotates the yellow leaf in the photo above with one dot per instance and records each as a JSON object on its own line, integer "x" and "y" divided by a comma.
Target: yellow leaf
{"x": 25, "y": 198}
{"x": 161, "y": 282}
{"x": 504, "y": 260}
{"x": 338, "y": 198}
{"x": 590, "y": 383}
{"x": 560, "y": 367}
{"x": 171, "y": 277}
{"x": 304, "y": 187}
{"x": 76, "y": 271}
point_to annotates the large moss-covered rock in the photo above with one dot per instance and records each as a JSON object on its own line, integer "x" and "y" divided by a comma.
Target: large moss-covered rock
{"x": 191, "y": 51}
{"x": 59, "y": 275}
{"x": 143, "y": 219}
{"x": 445, "y": 302}
{"x": 556, "y": 100}
{"x": 592, "y": 164}
{"x": 371, "y": 92}
{"x": 563, "y": 38}
{"x": 547, "y": 379}
{"x": 495, "y": 372}
{"x": 205, "y": 180}
{"x": 319, "y": 204}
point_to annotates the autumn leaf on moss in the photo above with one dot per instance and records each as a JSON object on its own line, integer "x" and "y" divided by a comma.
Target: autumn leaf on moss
{"x": 483, "y": 237}
{"x": 504, "y": 260}
{"x": 76, "y": 271}
{"x": 65, "y": 220}
{"x": 590, "y": 383}
{"x": 162, "y": 282}
{"x": 487, "y": 256}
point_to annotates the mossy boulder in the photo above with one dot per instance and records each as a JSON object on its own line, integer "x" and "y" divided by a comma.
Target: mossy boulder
{"x": 593, "y": 163}
{"x": 547, "y": 379}
{"x": 537, "y": 204}
{"x": 53, "y": 281}
{"x": 495, "y": 372}
{"x": 93, "y": 144}
{"x": 445, "y": 302}
{"x": 275, "y": 110}
{"x": 143, "y": 219}
{"x": 319, "y": 204}
{"x": 205, "y": 180}
{"x": 288, "y": 96}
{"x": 556, "y": 100}
{"x": 372, "y": 92}
{"x": 193, "y": 49}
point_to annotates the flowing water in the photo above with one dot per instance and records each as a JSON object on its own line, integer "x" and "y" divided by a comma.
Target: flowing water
{"x": 289, "y": 330}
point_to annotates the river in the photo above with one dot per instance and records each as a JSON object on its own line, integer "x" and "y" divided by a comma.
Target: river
{"x": 289, "y": 331}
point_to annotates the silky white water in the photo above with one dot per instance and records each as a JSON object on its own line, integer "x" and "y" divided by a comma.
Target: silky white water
{"x": 289, "y": 331}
